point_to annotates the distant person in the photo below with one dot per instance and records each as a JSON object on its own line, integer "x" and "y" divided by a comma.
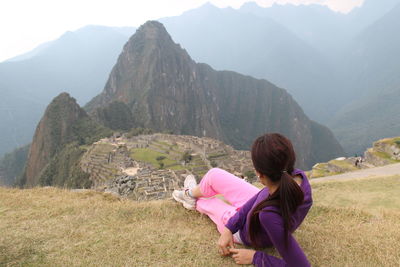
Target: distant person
{"x": 256, "y": 218}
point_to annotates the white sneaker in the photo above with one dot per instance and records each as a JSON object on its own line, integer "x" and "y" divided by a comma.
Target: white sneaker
{"x": 183, "y": 197}
{"x": 190, "y": 182}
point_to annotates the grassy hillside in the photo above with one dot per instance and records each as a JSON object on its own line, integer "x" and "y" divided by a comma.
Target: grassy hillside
{"x": 352, "y": 223}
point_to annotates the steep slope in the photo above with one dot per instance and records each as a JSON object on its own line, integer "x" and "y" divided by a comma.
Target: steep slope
{"x": 12, "y": 166}
{"x": 78, "y": 62}
{"x": 229, "y": 39}
{"x": 374, "y": 77}
{"x": 167, "y": 90}
{"x": 64, "y": 123}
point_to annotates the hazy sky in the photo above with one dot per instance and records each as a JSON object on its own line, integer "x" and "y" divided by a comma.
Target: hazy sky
{"x": 24, "y": 24}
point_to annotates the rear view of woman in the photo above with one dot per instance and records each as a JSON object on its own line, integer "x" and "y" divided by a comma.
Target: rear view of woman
{"x": 256, "y": 218}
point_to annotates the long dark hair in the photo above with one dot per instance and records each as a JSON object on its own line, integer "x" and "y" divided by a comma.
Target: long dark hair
{"x": 273, "y": 156}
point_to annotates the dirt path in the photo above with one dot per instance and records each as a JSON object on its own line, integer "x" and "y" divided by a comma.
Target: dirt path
{"x": 388, "y": 170}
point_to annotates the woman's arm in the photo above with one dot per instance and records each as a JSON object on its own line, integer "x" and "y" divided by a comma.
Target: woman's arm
{"x": 292, "y": 254}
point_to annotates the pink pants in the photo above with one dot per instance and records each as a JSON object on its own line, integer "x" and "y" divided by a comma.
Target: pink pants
{"x": 235, "y": 190}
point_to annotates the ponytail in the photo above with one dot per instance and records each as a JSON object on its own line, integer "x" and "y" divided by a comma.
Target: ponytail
{"x": 290, "y": 197}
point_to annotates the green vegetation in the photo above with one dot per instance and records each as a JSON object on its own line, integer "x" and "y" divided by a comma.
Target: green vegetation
{"x": 64, "y": 170}
{"x": 160, "y": 158}
{"x": 187, "y": 156}
{"x": 138, "y": 131}
{"x": 216, "y": 155}
{"x": 49, "y": 226}
{"x": 12, "y": 165}
{"x": 384, "y": 155}
{"x": 86, "y": 131}
{"x": 151, "y": 156}
{"x": 116, "y": 116}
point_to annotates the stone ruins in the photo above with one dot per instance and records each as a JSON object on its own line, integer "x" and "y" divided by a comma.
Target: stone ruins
{"x": 134, "y": 167}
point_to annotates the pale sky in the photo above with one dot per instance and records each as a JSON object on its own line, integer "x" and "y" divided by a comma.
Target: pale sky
{"x": 24, "y": 24}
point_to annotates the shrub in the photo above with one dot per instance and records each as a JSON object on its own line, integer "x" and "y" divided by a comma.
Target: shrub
{"x": 187, "y": 157}
{"x": 160, "y": 158}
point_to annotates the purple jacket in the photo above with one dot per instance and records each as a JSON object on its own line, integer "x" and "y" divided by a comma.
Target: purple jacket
{"x": 272, "y": 233}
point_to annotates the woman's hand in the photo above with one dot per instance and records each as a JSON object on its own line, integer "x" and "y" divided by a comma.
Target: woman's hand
{"x": 225, "y": 242}
{"x": 242, "y": 256}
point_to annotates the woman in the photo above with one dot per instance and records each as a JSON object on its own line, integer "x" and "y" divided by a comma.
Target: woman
{"x": 256, "y": 218}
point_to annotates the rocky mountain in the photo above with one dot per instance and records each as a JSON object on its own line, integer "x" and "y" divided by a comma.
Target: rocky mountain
{"x": 55, "y": 147}
{"x": 166, "y": 90}
{"x": 374, "y": 86}
{"x": 247, "y": 43}
{"x": 78, "y": 62}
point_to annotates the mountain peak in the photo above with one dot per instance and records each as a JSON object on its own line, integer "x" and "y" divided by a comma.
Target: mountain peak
{"x": 153, "y": 30}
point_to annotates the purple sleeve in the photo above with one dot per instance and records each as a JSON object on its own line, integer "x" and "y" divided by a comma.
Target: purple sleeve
{"x": 237, "y": 221}
{"x": 292, "y": 255}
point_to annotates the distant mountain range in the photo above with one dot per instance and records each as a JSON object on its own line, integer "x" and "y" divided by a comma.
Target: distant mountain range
{"x": 374, "y": 86}
{"x": 334, "y": 65}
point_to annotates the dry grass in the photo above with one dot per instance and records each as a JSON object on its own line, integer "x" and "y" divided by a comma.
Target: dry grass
{"x": 375, "y": 195}
{"x": 55, "y": 227}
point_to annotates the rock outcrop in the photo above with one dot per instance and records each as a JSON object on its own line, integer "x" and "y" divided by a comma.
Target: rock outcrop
{"x": 383, "y": 152}
{"x": 63, "y": 123}
{"x": 166, "y": 90}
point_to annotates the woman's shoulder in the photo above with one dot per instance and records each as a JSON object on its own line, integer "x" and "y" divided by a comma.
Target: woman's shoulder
{"x": 299, "y": 172}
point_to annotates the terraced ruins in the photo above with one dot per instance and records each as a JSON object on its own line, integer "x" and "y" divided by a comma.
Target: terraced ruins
{"x": 149, "y": 167}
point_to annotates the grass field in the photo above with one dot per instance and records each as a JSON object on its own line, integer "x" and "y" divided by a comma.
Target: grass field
{"x": 150, "y": 156}
{"x": 354, "y": 223}
{"x": 373, "y": 195}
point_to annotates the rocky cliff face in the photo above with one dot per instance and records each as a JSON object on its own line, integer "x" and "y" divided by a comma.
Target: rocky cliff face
{"x": 64, "y": 122}
{"x": 52, "y": 131}
{"x": 166, "y": 90}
